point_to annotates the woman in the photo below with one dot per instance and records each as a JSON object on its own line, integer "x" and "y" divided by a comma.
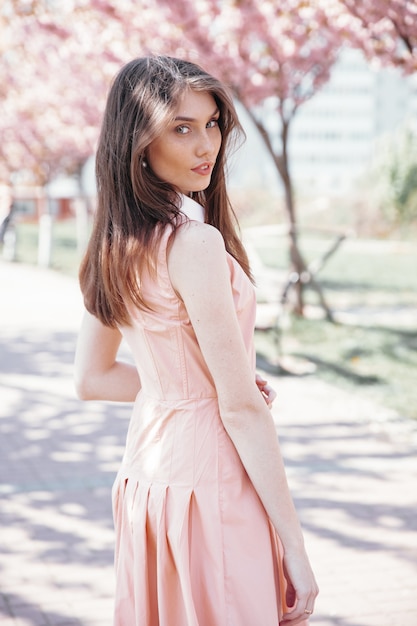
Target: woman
{"x": 201, "y": 496}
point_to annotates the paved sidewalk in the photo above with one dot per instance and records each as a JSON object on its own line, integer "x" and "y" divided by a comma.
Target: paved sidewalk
{"x": 352, "y": 467}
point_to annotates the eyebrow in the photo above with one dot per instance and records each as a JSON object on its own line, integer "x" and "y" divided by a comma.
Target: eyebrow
{"x": 181, "y": 118}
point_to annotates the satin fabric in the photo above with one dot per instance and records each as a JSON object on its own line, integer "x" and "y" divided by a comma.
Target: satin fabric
{"x": 194, "y": 546}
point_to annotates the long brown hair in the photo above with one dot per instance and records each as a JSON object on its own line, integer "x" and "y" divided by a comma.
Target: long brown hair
{"x": 132, "y": 202}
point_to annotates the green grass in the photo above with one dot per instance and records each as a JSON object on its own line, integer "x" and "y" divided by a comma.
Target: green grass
{"x": 372, "y": 350}
{"x": 374, "y": 284}
{"x": 64, "y": 256}
{"x": 379, "y": 363}
{"x": 387, "y": 264}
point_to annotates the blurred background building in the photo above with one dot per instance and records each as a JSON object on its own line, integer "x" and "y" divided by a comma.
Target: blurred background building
{"x": 337, "y": 134}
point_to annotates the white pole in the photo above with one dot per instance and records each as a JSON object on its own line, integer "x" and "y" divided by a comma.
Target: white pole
{"x": 81, "y": 220}
{"x": 45, "y": 240}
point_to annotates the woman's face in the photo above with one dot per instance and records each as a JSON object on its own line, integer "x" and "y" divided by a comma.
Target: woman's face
{"x": 185, "y": 154}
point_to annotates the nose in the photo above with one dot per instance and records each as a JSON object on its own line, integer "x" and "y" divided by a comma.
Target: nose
{"x": 206, "y": 145}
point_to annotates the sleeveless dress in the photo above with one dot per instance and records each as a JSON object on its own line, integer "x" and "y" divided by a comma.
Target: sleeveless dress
{"x": 194, "y": 545}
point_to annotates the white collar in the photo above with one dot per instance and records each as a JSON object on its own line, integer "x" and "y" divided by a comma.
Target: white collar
{"x": 192, "y": 209}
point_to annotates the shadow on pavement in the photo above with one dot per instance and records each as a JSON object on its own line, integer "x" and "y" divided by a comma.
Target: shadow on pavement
{"x": 58, "y": 460}
{"x": 59, "y": 457}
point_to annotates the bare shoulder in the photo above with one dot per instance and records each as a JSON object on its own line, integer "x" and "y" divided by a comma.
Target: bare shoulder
{"x": 197, "y": 254}
{"x": 192, "y": 235}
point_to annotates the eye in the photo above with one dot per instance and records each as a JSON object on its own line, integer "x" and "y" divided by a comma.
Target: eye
{"x": 213, "y": 123}
{"x": 182, "y": 130}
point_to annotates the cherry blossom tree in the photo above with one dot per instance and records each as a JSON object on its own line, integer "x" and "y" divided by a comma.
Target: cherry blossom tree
{"x": 59, "y": 58}
{"x": 383, "y": 29}
{"x": 43, "y": 127}
{"x": 275, "y": 56}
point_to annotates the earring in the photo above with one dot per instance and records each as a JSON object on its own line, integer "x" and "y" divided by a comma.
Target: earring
{"x": 144, "y": 163}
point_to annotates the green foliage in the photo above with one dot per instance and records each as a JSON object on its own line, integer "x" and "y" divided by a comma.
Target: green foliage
{"x": 65, "y": 256}
{"x": 371, "y": 286}
{"x": 399, "y": 172}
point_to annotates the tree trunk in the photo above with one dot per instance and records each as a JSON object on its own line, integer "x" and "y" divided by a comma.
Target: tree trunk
{"x": 301, "y": 274}
{"x": 298, "y": 265}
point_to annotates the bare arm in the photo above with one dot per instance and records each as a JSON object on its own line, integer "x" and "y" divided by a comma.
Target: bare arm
{"x": 200, "y": 274}
{"x": 98, "y": 373}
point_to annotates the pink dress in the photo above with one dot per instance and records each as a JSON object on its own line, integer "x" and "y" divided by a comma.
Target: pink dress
{"x": 194, "y": 546}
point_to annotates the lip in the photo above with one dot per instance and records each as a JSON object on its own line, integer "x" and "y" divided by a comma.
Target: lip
{"x": 203, "y": 169}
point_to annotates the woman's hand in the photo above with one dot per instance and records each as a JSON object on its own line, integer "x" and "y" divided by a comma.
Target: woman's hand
{"x": 302, "y": 588}
{"x": 266, "y": 390}
{"x": 200, "y": 274}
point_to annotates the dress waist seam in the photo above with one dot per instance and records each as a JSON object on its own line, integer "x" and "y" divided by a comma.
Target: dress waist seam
{"x": 163, "y": 400}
